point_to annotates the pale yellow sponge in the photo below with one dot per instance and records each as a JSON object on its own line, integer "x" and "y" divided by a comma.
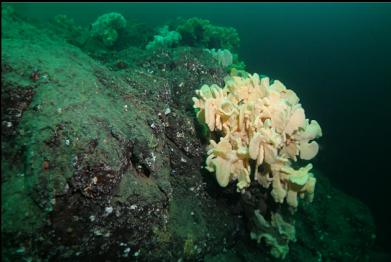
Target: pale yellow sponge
{"x": 262, "y": 122}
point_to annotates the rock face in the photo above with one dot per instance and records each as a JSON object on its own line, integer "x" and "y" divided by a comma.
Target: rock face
{"x": 102, "y": 157}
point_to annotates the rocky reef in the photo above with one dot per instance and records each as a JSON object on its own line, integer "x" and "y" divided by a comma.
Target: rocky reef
{"x": 102, "y": 155}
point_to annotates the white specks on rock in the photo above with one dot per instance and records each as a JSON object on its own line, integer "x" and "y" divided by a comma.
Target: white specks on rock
{"x": 126, "y": 252}
{"x": 108, "y": 210}
{"x": 167, "y": 111}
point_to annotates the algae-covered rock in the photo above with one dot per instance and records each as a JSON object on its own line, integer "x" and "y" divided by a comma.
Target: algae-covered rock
{"x": 89, "y": 157}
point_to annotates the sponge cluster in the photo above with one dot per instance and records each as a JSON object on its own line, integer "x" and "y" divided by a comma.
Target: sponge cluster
{"x": 164, "y": 39}
{"x": 264, "y": 131}
{"x": 106, "y": 28}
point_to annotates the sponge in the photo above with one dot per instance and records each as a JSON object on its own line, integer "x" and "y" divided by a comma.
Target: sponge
{"x": 260, "y": 121}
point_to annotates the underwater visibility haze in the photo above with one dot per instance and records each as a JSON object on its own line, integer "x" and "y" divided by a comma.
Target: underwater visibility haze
{"x": 195, "y": 131}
